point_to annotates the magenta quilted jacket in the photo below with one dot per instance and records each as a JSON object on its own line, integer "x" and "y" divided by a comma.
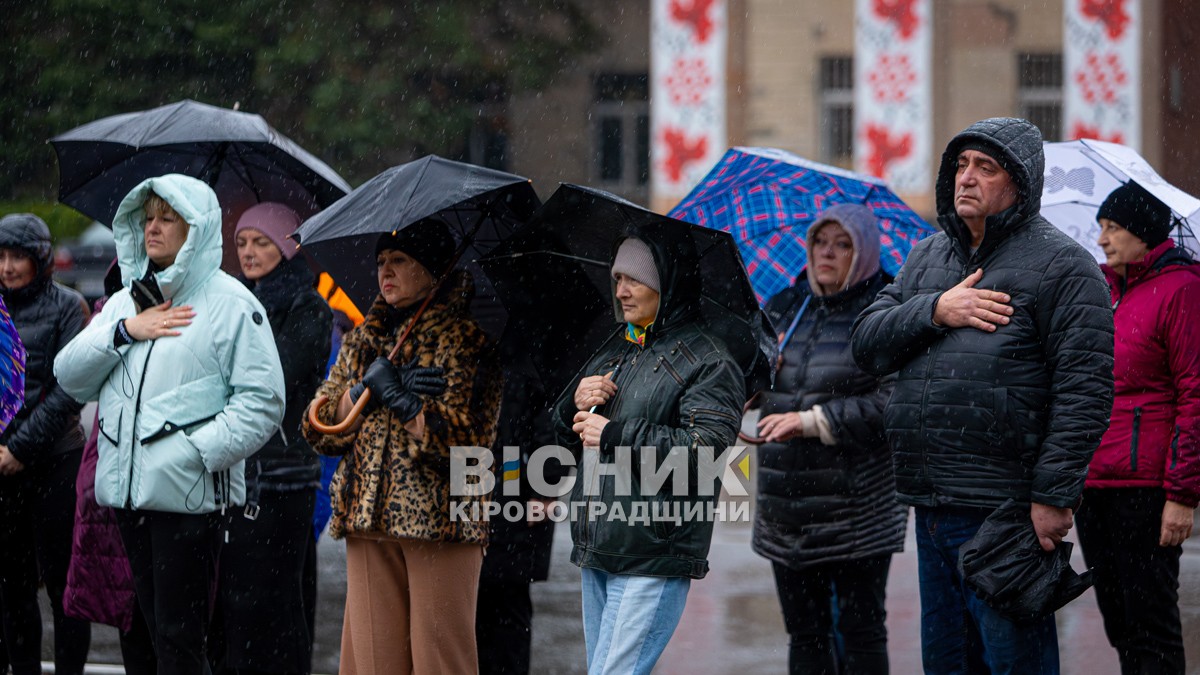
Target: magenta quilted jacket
{"x": 1154, "y": 436}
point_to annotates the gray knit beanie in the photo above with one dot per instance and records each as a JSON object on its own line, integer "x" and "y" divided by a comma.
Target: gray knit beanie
{"x": 635, "y": 260}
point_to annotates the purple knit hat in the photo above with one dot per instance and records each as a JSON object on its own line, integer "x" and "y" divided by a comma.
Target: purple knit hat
{"x": 276, "y": 221}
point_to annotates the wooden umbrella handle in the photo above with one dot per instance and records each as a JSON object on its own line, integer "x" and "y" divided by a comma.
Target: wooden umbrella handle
{"x": 343, "y": 426}
{"x": 352, "y": 417}
{"x": 753, "y": 440}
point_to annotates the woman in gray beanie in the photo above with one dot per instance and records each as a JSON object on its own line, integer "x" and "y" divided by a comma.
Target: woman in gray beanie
{"x": 827, "y": 517}
{"x": 39, "y": 454}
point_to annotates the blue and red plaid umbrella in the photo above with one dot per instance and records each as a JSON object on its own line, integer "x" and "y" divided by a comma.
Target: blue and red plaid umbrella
{"x": 767, "y": 198}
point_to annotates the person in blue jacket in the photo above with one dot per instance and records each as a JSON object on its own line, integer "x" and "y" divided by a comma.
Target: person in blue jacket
{"x": 184, "y": 366}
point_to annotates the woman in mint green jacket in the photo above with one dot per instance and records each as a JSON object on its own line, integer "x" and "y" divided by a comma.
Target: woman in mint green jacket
{"x": 184, "y": 366}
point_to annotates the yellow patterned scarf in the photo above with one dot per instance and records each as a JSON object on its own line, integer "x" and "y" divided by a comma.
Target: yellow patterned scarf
{"x": 636, "y": 334}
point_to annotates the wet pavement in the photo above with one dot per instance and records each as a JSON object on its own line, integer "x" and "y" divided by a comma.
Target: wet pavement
{"x": 732, "y": 623}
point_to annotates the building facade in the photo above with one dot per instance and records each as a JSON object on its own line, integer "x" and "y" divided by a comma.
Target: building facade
{"x": 790, "y": 85}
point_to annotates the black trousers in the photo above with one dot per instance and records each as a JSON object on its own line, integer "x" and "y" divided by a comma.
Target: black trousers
{"x": 137, "y": 647}
{"x": 807, "y": 598}
{"x": 174, "y": 556}
{"x": 37, "y": 519}
{"x": 1136, "y": 580}
{"x": 261, "y": 622}
{"x": 503, "y": 621}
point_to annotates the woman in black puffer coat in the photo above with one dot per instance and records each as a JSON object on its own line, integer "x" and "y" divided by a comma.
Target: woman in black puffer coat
{"x": 39, "y": 455}
{"x": 827, "y": 516}
{"x": 266, "y": 589}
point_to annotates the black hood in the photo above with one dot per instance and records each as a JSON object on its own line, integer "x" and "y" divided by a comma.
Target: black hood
{"x": 678, "y": 265}
{"x": 27, "y": 232}
{"x": 1017, "y": 145}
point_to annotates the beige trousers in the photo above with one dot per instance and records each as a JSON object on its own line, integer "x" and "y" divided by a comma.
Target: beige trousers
{"x": 410, "y": 607}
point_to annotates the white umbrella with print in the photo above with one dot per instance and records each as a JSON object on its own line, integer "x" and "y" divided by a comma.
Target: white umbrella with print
{"x": 1080, "y": 174}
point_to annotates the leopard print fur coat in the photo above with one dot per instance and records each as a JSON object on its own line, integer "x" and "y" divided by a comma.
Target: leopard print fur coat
{"x": 391, "y": 483}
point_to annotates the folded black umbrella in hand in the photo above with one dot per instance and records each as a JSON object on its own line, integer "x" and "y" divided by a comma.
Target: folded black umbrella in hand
{"x": 1007, "y": 568}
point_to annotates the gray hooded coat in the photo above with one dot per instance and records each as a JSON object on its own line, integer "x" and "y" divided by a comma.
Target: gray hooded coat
{"x": 819, "y": 501}
{"x": 978, "y": 417}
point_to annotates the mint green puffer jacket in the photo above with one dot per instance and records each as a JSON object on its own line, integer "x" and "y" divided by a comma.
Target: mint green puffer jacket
{"x": 178, "y": 415}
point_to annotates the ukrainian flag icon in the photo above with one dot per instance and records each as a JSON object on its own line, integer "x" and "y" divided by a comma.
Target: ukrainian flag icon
{"x": 512, "y": 469}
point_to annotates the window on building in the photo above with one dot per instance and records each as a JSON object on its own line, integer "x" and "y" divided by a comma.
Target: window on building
{"x": 837, "y": 109}
{"x": 1040, "y": 92}
{"x": 487, "y": 141}
{"x": 621, "y": 133}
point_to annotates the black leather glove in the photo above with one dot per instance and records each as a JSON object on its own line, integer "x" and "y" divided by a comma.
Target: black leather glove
{"x": 423, "y": 380}
{"x": 401, "y": 388}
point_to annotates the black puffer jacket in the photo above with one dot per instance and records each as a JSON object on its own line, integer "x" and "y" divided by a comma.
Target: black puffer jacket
{"x": 303, "y": 325}
{"x": 680, "y": 390}
{"x": 47, "y": 315}
{"x": 822, "y": 503}
{"x": 977, "y": 417}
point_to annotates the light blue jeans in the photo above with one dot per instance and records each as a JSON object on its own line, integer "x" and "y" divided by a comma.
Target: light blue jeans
{"x": 628, "y": 620}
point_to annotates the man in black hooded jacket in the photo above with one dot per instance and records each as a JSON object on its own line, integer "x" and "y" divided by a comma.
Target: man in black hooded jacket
{"x": 1001, "y": 333}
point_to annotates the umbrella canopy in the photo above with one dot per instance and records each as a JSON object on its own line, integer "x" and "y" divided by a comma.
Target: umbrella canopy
{"x": 480, "y": 206}
{"x": 1080, "y": 174}
{"x": 238, "y": 154}
{"x": 767, "y": 198}
{"x": 1007, "y": 568}
{"x": 553, "y": 277}
{"x": 12, "y": 369}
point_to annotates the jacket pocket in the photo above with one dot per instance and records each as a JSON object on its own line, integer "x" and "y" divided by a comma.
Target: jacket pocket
{"x": 173, "y": 477}
{"x": 662, "y": 517}
{"x": 666, "y": 365}
{"x": 109, "y": 430}
{"x": 181, "y": 408}
{"x": 1002, "y": 427}
{"x": 694, "y": 412}
{"x": 1133, "y": 441}
{"x": 608, "y": 365}
{"x": 685, "y": 350}
{"x": 1175, "y": 448}
{"x": 110, "y": 476}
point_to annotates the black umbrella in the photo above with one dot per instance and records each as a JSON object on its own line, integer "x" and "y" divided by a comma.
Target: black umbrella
{"x": 481, "y": 206}
{"x": 238, "y": 154}
{"x": 1007, "y": 568}
{"x": 553, "y": 277}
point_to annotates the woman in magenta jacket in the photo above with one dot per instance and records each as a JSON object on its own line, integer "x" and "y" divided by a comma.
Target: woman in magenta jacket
{"x": 1143, "y": 483}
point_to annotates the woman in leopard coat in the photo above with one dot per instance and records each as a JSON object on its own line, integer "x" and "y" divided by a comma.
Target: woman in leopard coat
{"x": 412, "y": 567}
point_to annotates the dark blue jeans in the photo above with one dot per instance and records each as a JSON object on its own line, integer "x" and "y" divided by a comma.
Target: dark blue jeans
{"x": 959, "y": 632}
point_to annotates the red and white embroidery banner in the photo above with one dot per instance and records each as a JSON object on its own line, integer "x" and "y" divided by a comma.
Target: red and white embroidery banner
{"x": 1102, "y": 70}
{"x": 687, "y": 92}
{"x": 893, "y": 102}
